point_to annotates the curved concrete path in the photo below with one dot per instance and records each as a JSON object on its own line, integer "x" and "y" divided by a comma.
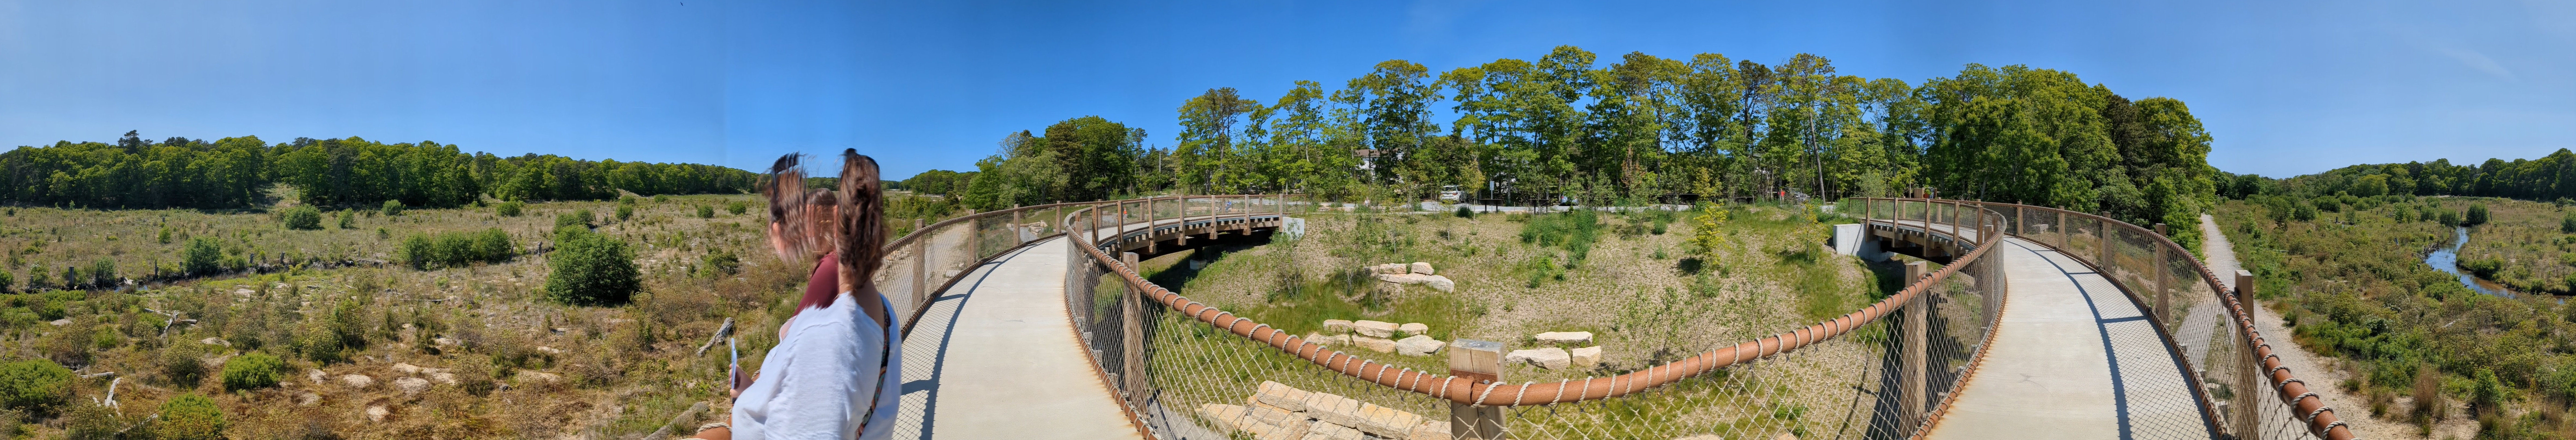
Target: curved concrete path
{"x": 2073, "y": 359}
{"x": 995, "y": 357}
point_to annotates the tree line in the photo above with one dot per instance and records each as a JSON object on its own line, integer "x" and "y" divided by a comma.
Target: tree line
{"x": 237, "y": 171}
{"x": 2548, "y": 178}
{"x": 1640, "y": 130}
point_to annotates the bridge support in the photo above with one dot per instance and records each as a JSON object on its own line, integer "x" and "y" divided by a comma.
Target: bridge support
{"x": 1913, "y": 373}
{"x": 1477, "y": 362}
{"x": 2248, "y": 371}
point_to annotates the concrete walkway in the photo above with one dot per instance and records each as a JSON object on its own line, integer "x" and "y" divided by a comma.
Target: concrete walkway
{"x": 2073, "y": 359}
{"x": 995, "y": 357}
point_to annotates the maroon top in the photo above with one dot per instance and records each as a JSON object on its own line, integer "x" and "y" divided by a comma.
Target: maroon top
{"x": 824, "y": 285}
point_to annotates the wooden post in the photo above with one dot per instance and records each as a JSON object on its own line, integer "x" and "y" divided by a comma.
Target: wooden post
{"x": 920, "y": 265}
{"x": 1131, "y": 321}
{"x": 2164, "y": 299}
{"x": 974, "y": 236}
{"x": 1477, "y": 362}
{"x": 1181, "y": 236}
{"x": 2061, "y": 229}
{"x": 1149, "y": 225}
{"x": 1015, "y": 225}
{"x": 2249, "y": 388}
{"x": 1917, "y": 339}
{"x": 2102, "y": 229}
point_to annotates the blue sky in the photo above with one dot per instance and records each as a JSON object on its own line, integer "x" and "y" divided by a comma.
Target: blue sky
{"x": 2285, "y": 87}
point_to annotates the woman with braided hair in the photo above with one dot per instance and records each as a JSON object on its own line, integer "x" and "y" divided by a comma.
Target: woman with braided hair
{"x": 836, "y": 371}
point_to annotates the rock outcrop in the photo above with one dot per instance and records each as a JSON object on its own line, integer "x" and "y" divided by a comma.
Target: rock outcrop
{"x": 1550, "y": 358}
{"x": 1419, "y": 345}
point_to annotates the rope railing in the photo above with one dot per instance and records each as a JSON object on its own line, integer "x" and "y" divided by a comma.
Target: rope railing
{"x": 1759, "y": 398}
{"x": 2207, "y": 324}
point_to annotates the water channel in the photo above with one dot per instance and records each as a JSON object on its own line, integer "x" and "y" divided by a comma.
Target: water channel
{"x": 2448, "y": 260}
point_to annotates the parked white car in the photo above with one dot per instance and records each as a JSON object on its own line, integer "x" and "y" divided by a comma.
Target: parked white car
{"x": 1451, "y": 194}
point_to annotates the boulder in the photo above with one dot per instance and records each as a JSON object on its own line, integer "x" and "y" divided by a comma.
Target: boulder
{"x": 1419, "y": 345}
{"x": 307, "y": 398}
{"x": 1381, "y": 345}
{"x": 1404, "y": 278}
{"x": 1336, "y": 326}
{"x": 1328, "y": 340}
{"x": 407, "y": 368}
{"x": 1414, "y": 328}
{"x": 1387, "y": 422}
{"x": 1565, "y": 338}
{"x": 1550, "y": 358}
{"x": 1280, "y": 395}
{"x": 61, "y": 322}
{"x": 1227, "y": 417}
{"x": 1441, "y": 283}
{"x": 1430, "y": 430}
{"x": 359, "y": 381}
{"x": 1332, "y": 409}
{"x": 442, "y": 341}
{"x": 411, "y": 385}
{"x": 1391, "y": 268}
{"x": 1374, "y": 328}
{"x": 443, "y": 378}
{"x": 377, "y": 413}
{"x": 1421, "y": 268}
{"x": 1334, "y": 431}
{"x": 317, "y": 376}
{"x": 549, "y": 350}
{"x": 1587, "y": 357}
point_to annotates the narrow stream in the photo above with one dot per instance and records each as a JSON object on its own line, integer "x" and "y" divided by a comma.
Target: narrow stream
{"x": 2448, "y": 260}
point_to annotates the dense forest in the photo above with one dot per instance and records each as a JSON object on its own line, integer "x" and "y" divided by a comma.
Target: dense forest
{"x": 1639, "y": 130}
{"x": 235, "y": 171}
{"x": 2548, "y": 178}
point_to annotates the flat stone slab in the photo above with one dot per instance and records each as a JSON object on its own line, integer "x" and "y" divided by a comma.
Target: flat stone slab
{"x": 1565, "y": 338}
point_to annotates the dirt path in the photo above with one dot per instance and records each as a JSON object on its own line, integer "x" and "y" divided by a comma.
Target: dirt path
{"x": 2354, "y": 409}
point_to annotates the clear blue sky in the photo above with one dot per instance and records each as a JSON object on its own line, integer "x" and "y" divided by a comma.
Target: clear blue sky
{"x": 2285, "y": 87}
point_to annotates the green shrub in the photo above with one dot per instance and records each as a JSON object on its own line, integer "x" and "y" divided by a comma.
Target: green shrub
{"x": 2477, "y": 215}
{"x": 737, "y": 207}
{"x": 98, "y": 422}
{"x": 719, "y": 263}
{"x": 706, "y": 211}
{"x": 201, "y": 256}
{"x": 577, "y": 220}
{"x": 179, "y": 364}
{"x": 456, "y": 249}
{"x": 251, "y": 371}
{"x": 509, "y": 208}
{"x": 165, "y": 235}
{"x": 2568, "y": 224}
{"x": 102, "y": 272}
{"x": 1464, "y": 212}
{"x": 35, "y": 385}
{"x": 591, "y": 269}
{"x": 6, "y": 280}
{"x": 393, "y": 207}
{"x": 302, "y": 217}
{"x": 190, "y": 417}
{"x": 625, "y": 211}
{"x": 348, "y": 219}
{"x": 36, "y": 277}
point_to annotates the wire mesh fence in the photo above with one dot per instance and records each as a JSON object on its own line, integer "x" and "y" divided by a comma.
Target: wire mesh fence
{"x": 2244, "y": 389}
{"x": 1189, "y": 370}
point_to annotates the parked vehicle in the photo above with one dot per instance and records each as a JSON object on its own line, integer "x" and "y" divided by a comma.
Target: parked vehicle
{"x": 1451, "y": 194}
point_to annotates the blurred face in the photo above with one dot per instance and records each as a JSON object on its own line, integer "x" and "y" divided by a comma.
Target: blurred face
{"x": 818, "y": 220}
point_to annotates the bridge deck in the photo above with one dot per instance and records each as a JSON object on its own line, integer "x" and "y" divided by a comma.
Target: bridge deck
{"x": 996, "y": 357}
{"x": 2074, "y": 358}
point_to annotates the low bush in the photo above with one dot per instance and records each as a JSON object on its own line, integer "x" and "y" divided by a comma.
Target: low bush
{"x": 737, "y": 207}
{"x": 251, "y": 371}
{"x": 719, "y": 263}
{"x": 577, "y": 220}
{"x": 509, "y": 208}
{"x": 302, "y": 217}
{"x": 190, "y": 417}
{"x": 35, "y": 385}
{"x": 625, "y": 211}
{"x": 393, "y": 207}
{"x": 706, "y": 211}
{"x": 348, "y": 219}
{"x": 201, "y": 256}
{"x": 591, "y": 269}
{"x": 180, "y": 366}
{"x": 456, "y": 249}
{"x": 1464, "y": 212}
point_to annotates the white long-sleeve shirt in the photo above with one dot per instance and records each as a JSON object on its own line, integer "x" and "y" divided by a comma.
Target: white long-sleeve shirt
{"x": 817, "y": 383}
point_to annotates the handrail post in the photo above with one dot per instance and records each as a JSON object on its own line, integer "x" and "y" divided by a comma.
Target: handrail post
{"x": 1917, "y": 339}
{"x": 1477, "y": 362}
{"x": 1015, "y": 225}
{"x": 920, "y": 265}
{"x": 974, "y": 236}
{"x": 2164, "y": 299}
{"x": 1131, "y": 323}
{"x": 2248, "y": 387}
{"x": 1149, "y": 225}
{"x": 2102, "y": 228}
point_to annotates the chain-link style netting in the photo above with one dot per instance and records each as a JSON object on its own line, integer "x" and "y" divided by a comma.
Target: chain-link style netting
{"x": 2249, "y": 394}
{"x": 1188, "y": 370}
